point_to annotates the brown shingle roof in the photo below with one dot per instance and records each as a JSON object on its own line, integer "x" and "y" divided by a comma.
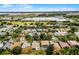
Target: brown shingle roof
{"x": 45, "y": 42}
{"x": 57, "y": 48}
{"x": 15, "y": 44}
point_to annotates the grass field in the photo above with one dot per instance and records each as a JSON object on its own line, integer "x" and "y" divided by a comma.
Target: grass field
{"x": 23, "y": 23}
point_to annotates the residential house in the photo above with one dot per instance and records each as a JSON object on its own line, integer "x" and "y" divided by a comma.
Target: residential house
{"x": 63, "y": 44}
{"x": 35, "y": 45}
{"x": 7, "y": 45}
{"x": 25, "y": 44}
{"x": 60, "y": 33}
{"x": 15, "y": 44}
{"x": 44, "y": 44}
{"x": 26, "y": 48}
{"x": 57, "y": 47}
{"x": 72, "y": 43}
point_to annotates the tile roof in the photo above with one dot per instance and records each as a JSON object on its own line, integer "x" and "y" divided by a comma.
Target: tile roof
{"x": 45, "y": 42}
{"x": 15, "y": 44}
{"x": 56, "y": 46}
{"x": 63, "y": 44}
{"x": 72, "y": 43}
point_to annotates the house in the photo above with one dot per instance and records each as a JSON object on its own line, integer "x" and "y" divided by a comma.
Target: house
{"x": 7, "y": 45}
{"x": 60, "y": 33}
{"x": 63, "y": 44}
{"x": 44, "y": 44}
{"x": 25, "y": 44}
{"x": 15, "y": 44}
{"x": 35, "y": 45}
{"x": 57, "y": 47}
{"x": 72, "y": 43}
{"x": 26, "y": 48}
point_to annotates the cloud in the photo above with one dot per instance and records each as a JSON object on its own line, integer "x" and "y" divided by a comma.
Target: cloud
{"x": 59, "y": 9}
{"x": 26, "y": 6}
{"x": 6, "y": 5}
{"x": 29, "y": 7}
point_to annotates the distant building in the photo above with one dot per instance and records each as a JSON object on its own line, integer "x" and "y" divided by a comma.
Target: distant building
{"x": 26, "y": 48}
{"x": 57, "y": 47}
{"x": 7, "y": 45}
{"x": 35, "y": 45}
{"x": 60, "y": 33}
{"x": 73, "y": 43}
{"x": 25, "y": 44}
{"x": 15, "y": 44}
{"x": 44, "y": 44}
{"x": 63, "y": 44}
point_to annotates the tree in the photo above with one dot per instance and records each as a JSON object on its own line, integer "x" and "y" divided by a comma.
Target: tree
{"x": 74, "y": 50}
{"x": 65, "y": 51}
{"x": 73, "y": 29}
{"x": 35, "y": 37}
{"x": 49, "y": 50}
{"x": 28, "y": 38}
{"x": 1, "y": 50}
{"x": 17, "y": 50}
{"x": 63, "y": 38}
{"x": 43, "y": 36}
{"x": 39, "y": 52}
{"x": 14, "y": 35}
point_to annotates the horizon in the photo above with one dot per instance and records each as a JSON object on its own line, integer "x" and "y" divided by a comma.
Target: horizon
{"x": 38, "y": 7}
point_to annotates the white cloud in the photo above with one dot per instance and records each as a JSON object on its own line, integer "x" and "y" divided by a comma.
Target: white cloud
{"x": 58, "y": 9}
{"x": 26, "y": 6}
{"x": 6, "y": 5}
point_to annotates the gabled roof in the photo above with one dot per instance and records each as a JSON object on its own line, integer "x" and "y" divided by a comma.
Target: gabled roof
{"x": 7, "y": 45}
{"x": 25, "y": 44}
{"x": 35, "y": 44}
{"x": 57, "y": 48}
{"x": 72, "y": 43}
{"x": 63, "y": 44}
{"x": 15, "y": 44}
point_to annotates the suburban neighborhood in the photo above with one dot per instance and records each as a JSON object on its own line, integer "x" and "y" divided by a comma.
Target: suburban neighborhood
{"x": 39, "y": 33}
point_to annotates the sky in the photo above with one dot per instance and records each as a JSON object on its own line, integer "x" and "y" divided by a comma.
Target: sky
{"x": 39, "y": 7}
